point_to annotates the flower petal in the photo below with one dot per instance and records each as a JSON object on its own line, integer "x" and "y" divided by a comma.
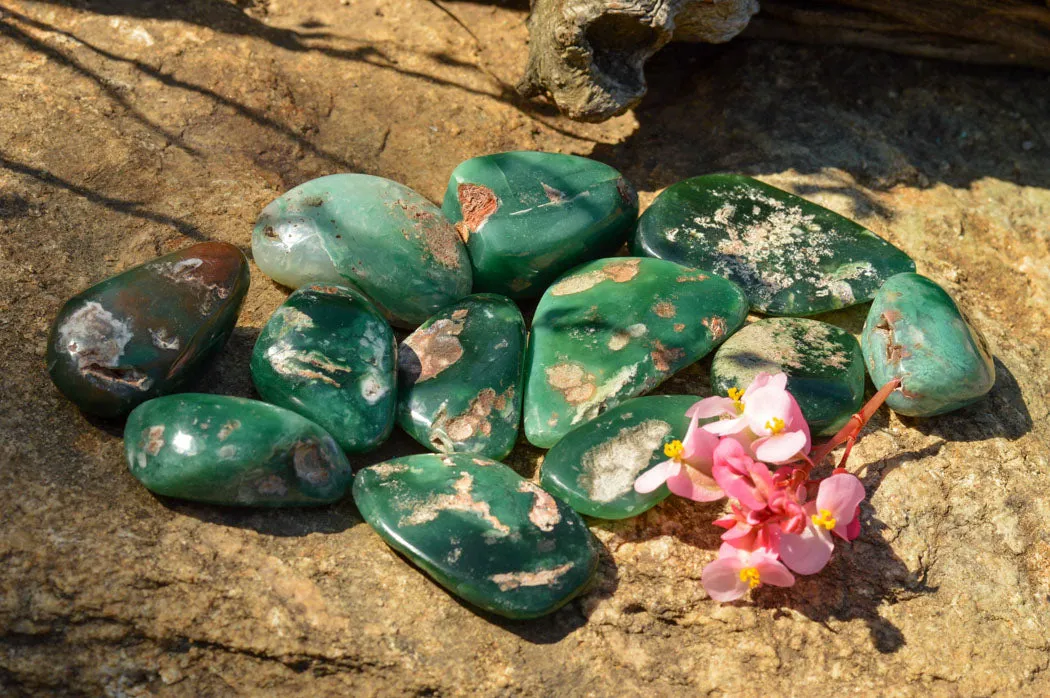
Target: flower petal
{"x": 770, "y": 571}
{"x": 721, "y": 579}
{"x": 840, "y": 495}
{"x": 852, "y": 528}
{"x": 726, "y": 426}
{"x": 694, "y": 485}
{"x": 657, "y": 475}
{"x": 698, "y": 447}
{"x": 808, "y": 552}
{"x": 780, "y": 448}
{"x": 712, "y": 407}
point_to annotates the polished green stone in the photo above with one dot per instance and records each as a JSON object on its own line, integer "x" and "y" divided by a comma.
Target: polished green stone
{"x": 916, "y": 331}
{"x": 228, "y": 450}
{"x": 378, "y": 235}
{"x": 616, "y": 328}
{"x": 791, "y": 256}
{"x": 823, "y": 364}
{"x": 593, "y": 468}
{"x": 148, "y": 330}
{"x": 459, "y": 378}
{"x": 528, "y": 217}
{"x": 480, "y": 530}
{"x": 328, "y": 354}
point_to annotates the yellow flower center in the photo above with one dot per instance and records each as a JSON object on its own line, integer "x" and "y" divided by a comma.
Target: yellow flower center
{"x": 775, "y": 425}
{"x": 735, "y": 394}
{"x": 751, "y": 576}
{"x": 825, "y": 519}
{"x": 674, "y": 450}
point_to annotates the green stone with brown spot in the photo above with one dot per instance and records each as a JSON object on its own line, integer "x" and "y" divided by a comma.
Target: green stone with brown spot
{"x": 229, "y": 450}
{"x": 593, "y": 468}
{"x": 823, "y": 364}
{"x": 459, "y": 378}
{"x": 614, "y": 329}
{"x": 480, "y": 530}
{"x": 791, "y": 256}
{"x": 147, "y": 331}
{"x": 328, "y": 354}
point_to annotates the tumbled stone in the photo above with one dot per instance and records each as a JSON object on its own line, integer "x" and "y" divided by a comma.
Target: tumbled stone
{"x": 616, "y": 328}
{"x": 459, "y": 378}
{"x": 593, "y": 468}
{"x": 328, "y": 354}
{"x": 791, "y": 256}
{"x": 528, "y": 217}
{"x": 148, "y": 330}
{"x": 916, "y": 331}
{"x": 480, "y": 530}
{"x": 375, "y": 234}
{"x": 228, "y": 450}
{"x": 823, "y": 364}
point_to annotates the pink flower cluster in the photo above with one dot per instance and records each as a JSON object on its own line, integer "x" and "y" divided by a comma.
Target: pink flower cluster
{"x": 774, "y": 528}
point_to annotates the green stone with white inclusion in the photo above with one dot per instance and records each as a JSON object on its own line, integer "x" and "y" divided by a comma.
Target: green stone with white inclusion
{"x": 228, "y": 450}
{"x": 791, "y": 256}
{"x": 823, "y": 364}
{"x": 480, "y": 530}
{"x": 528, "y": 217}
{"x": 328, "y": 354}
{"x": 593, "y": 468}
{"x": 616, "y": 328}
{"x": 915, "y": 331}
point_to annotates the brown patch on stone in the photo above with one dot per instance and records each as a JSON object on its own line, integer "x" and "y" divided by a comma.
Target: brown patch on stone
{"x": 269, "y": 232}
{"x": 665, "y": 309}
{"x": 894, "y": 352}
{"x": 477, "y": 203}
{"x": 716, "y": 325}
{"x": 463, "y": 231}
{"x": 679, "y": 326}
{"x": 435, "y": 347}
{"x": 514, "y": 580}
{"x": 463, "y": 500}
{"x": 619, "y": 340}
{"x": 460, "y": 314}
{"x": 228, "y": 428}
{"x": 577, "y": 283}
{"x": 697, "y": 276}
{"x": 310, "y": 462}
{"x": 664, "y": 357}
{"x": 313, "y": 201}
{"x": 385, "y": 470}
{"x": 622, "y": 271}
{"x": 270, "y": 485}
{"x": 544, "y": 514}
{"x": 572, "y": 381}
{"x": 153, "y": 440}
{"x": 553, "y": 195}
{"x": 472, "y": 421}
{"x": 440, "y": 237}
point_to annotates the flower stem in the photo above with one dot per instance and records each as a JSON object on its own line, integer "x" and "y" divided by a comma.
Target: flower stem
{"x": 848, "y": 434}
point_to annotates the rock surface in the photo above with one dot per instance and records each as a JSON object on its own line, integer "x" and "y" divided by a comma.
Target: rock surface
{"x": 129, "y": 128}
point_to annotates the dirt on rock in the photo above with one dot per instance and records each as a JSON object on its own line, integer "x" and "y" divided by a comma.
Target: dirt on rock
{"x": 130, "y": 129}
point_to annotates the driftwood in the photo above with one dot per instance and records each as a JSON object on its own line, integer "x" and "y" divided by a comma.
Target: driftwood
{"x": 589, "y": 55}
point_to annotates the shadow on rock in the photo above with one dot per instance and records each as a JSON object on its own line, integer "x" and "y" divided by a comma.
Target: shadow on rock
{"x": 280, "y": 522}
{"x": 1000, "y": 414}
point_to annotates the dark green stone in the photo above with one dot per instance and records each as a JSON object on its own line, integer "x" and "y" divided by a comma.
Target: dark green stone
{"x": 593, "y": 468}
{"x": 480, "y": 530}
{"x": 916, "y": 331}
{"x": 459, "y": 378}
{"x": 379, "y": 236}
{"x": 528, "y": 217}
{"x": 791, "y": 256}
{"x": 823, "y": 364}
{"x": 328, "y": 354}
{"x": 228, "y": 450}
{"x": 148, "y": 330}
{"x": 616, "y": 328}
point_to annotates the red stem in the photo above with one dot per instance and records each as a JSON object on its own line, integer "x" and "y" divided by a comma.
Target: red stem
{"x": 852, "y": 429}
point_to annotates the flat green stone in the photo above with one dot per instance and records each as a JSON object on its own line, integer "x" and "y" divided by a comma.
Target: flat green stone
{"x": 593, "y": 468}
{"x": 529, "y": 217}
{"x": 459, "y": 378}
{"x": 480, "y": 530}
{"x": 228, "y": 450}
{"x": 328, "y": 354}
{"x": 791, "y": 256}
{"x": 616, "y": 328}
{"x": 148, "y": 330}
{"x": 915, "y": 331}
{"x": 823, "y": 364}
{"x": 378, "y": 235}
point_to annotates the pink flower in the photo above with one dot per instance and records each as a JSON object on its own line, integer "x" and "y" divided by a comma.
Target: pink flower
{"x": 741, "y": 477}
{"x": 736, "y": 571}
{"x": 687, "y": 470}
{"x": 834, "y": 511}
{"x": 765, "y": 416}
